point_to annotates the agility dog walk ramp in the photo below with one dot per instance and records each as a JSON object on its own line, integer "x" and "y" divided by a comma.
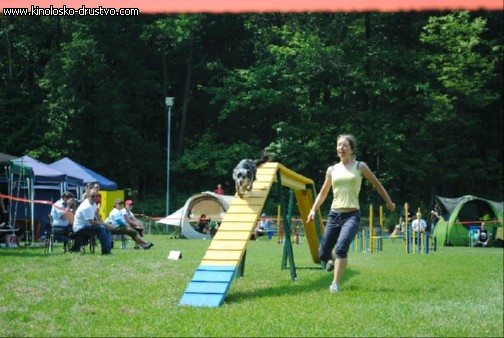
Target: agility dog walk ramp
{"x": 212, "y": 279}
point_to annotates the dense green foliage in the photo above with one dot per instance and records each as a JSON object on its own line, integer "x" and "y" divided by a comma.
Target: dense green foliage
{"x": 454, "y": 292}
{"x": 422, "y": 92}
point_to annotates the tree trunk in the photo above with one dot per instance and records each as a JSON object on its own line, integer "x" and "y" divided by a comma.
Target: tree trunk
{"x": 187, "y": 93}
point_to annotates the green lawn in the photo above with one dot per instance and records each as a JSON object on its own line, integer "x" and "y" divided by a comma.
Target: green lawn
{"x": 456, "y": 292}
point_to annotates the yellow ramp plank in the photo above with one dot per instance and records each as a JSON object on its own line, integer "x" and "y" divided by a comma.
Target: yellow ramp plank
{"x": 237, "y": 226}
{"x": 246, "y": 209}
{"x": 220, "y": 263}
{"x": 262, "y": 185}
{"x": 232, "y": 236}
{"x": 223, "y": 255}
{"x": 233, "y": 225}
{"x": 264, "y": 177}
{"x": 250, "y": 201}
{"x": 304, "y": 200}
{"x": 286, "y": 172}
{"x": 239, "y": 218}
{"x": 227, "y": 245}
{"x": 292, "y": 183}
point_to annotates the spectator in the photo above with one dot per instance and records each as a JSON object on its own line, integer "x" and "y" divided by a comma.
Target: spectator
{"x": 482, "y": 236}
{"x": 88, "y": 221}
{"x": 203, "y": 224}
{"x": 418, "y": 226}
{"x": 263, "y": 227}
{"x": 60, "y": 220}
{"x": 88, "y": 188}
{"x": 402, "y": 219}
{"x": 118, "y": 226}
{"x": 435, "y": 216}
{"x": 219, "y": 190}
{"x": 131, "y": 220}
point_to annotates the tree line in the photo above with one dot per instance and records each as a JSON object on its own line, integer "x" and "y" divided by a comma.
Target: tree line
{"x": 421, "y": 91}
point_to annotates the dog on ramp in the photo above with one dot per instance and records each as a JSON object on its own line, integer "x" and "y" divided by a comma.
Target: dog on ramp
{"x": 244, "y": 174}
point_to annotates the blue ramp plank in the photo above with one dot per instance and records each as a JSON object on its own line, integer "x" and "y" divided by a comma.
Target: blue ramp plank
{"x": 209, "y": 286}
{"x": 216, "y": 268}
{"x": 213, "y": 276}
{"x": 195, "y": 299}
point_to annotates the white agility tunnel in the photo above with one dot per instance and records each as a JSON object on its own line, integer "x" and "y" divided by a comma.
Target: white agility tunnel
{"x": 209, "y": 203}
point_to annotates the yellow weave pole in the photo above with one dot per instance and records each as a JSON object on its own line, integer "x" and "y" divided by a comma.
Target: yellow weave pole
{"x": 422, "y": 234}
{"x": 422, "y": 239}
{"x": 381, "y": 220}
{"x": 371, "y": 228}
{"x": 415, "y": 246}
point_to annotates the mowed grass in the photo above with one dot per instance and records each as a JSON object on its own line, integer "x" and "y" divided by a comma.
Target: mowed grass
{"x": 456, "y": 292}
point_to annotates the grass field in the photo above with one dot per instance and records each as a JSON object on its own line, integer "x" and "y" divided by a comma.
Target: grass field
{"x": 456, "y": 292}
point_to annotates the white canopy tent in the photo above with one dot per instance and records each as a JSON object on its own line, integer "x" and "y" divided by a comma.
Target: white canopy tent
{"x": 209, "y": 203}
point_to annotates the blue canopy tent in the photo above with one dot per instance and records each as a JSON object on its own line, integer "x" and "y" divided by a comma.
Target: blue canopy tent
{"x": 87, "y": 175}
{"x": 31, "y": 179}
{"x": 6, "y": 158}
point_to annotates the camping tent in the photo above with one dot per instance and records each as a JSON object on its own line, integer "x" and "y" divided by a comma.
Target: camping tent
{"x": 458, "y": 214}
{"x": 87, "y": 175}
{"x": 213, "y": 205}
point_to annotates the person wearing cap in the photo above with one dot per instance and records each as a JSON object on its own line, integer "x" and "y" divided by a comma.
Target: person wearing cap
{"x": 131, "y": 220}
{"x": 263, "y": 227}
{"x": 118, "y": 226}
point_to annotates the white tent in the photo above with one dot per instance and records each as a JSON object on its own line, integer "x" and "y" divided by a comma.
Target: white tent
{"x": 213, "y": 205}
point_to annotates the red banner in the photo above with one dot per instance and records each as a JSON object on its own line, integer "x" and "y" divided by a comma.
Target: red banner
{"x": 257, "y": 6}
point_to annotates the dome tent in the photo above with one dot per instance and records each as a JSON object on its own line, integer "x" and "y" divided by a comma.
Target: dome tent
{"x": 458, "y": 214}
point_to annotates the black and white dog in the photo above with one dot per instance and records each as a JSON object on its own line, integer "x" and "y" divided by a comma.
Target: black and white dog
{"x": 244, "y": 174}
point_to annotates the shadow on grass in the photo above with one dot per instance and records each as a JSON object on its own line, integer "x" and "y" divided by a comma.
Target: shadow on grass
{"x": 321, "y": 283}
{"x": 20, "y": 252}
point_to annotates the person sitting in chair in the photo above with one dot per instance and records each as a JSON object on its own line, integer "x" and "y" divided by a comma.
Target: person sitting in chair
{"x": 88, "y": 221}
{"x": 263, "y": 227}
{"x": 118, "y": 226}
{"x": 132, "y": 221}
{"x": 482, "y": 236}
{"x": 60, "y": 217}
{"x": 203, "y": 224}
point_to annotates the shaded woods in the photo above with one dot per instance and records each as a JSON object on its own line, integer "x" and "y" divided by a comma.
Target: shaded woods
{"x": 422, "y": 92}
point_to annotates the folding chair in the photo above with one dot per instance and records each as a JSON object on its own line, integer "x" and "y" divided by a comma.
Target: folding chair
{"x": 56, "y": 232}
{"x": 473, "y": 234}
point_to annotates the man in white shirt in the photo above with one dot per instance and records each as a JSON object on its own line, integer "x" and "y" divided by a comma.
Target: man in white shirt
{"x": 60, "y": 220}
{"x": 87, "y": 220}
{"x": 415, "y": 224}
{"x": 118, "y": 226}
{"x": 59, "y": 211}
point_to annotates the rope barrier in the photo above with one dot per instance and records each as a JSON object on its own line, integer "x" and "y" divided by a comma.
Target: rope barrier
{"x": 196, "y": 219}
{"x": 26, "y": 200}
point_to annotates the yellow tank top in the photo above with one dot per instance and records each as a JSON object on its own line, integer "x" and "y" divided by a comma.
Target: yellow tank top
{"x": 346, "y": 185}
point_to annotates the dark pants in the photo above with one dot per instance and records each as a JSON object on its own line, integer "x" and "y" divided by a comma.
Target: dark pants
{"x": 101, "y": 232}
{"x": 125, "y": 230}
{"x": 340, "y": 230}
